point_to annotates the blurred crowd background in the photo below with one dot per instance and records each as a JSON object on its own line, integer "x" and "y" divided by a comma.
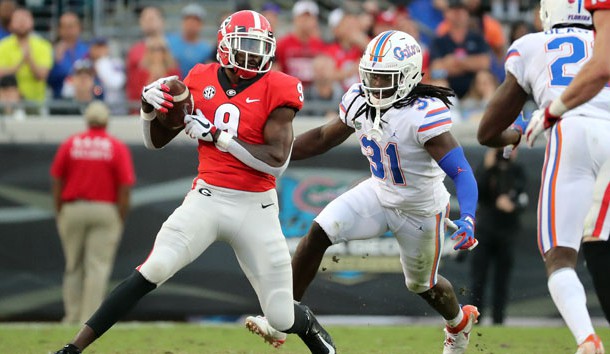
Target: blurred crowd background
{"x": 59, "y": 55}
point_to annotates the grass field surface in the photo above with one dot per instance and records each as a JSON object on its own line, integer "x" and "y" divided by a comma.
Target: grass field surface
{"x": 170, "y": 338}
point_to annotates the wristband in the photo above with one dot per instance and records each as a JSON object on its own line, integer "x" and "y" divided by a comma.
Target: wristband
{"x": 223, "y": 140}
{"x": 148, "y": 116}
{"x": 557, "y": 108}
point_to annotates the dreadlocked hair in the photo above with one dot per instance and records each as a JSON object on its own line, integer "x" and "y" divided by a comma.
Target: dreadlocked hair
{"x": 419, "y": 91}
{"x": 426, "y": 91}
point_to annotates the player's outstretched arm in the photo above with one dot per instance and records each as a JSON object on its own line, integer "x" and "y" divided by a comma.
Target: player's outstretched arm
{"x": 321, "y": 139}
{"x": 450, "y": 157}
{"x": 501, "y": 112}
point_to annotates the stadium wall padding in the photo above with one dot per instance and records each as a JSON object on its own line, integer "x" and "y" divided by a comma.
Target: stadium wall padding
{"x": 359, "y": 279}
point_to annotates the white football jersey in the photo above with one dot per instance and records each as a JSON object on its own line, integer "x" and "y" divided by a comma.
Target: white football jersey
{"x": 406, "y": 176}
{"x": 544, "y": 64}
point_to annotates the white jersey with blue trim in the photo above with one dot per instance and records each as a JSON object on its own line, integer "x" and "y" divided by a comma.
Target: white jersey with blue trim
{"x": 406, "y": 176}
{"x": 544, "y": 64}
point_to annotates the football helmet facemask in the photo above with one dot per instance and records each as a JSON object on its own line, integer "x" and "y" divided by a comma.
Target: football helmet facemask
{"x": 246, "y": 44}
{"x": 553, "y": 12}
{"x": 390, "y": 68}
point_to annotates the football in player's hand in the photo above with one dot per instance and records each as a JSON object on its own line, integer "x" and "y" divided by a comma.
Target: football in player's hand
{"x": 183, "y": 105}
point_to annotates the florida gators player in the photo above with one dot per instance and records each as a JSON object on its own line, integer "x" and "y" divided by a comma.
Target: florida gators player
{"x": 590, "y": 80}
{"x": 543, "y": 64}
{"x": 404, "y": 130}
{"x": 244, "y": 130}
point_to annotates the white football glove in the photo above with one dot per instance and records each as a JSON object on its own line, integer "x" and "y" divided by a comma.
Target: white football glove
{"x": 156, "y": 94}
{"x": 197, "y": 126}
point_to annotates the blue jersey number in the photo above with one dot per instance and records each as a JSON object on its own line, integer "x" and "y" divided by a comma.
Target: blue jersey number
{"x": 376, "y": 160}
{"x": 578, "y": 53}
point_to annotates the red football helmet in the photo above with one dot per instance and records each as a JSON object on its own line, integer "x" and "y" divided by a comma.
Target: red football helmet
{"x": 246, "y": 44}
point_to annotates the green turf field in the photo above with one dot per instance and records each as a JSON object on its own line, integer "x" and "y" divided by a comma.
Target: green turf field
{"x": 171, "y": 338}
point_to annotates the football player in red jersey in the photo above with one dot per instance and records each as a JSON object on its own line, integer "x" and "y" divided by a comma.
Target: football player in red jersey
{"x": 243, "y": 124}
{"x": 590, "y": 80}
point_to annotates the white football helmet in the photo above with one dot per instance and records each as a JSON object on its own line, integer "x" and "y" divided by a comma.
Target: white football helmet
{"x": 553, "y": 12}
{"x": 390, "y": 67}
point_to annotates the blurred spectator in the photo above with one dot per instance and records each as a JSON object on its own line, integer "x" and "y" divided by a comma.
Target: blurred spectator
{"x": 66, "y": 51}
{"x": 188, "y": 48}
{"x": 152, "y": 25}
{"x": 536, "y": 21}
{"x": 92, "y": 174}
{"x": 478, "y": 96}
{"x": 502, "y": 198}
{"x": 324, "y": 93}
{"x": 272, "y": 11}
{"x": 296, "y": 50}
{"x": 157, "y": 62}
{"x": 519, "y": 29}
{"x": 110, "y": 73}
{"x": 366, "y": 18}
{"x": 491, "y": 30}
{"x": 429, "y": 15}
{"x": 10, "y": 99}
{"x": 384, "y": 21}
{"x": 6, "y": 11}
{"x": 349, "y": 42}
{"x": 461, "y": 52}
{"x": 27, "y": 56}
{"x": 80, "y": 88}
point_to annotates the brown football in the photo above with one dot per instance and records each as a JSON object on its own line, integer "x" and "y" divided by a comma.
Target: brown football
{"x": 183, "y": 105}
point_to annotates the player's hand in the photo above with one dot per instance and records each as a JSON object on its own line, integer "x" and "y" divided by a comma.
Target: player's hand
{"x": 197, "y": 126}
{"x": 157, "y": 95}
{"x": 519, "y": 125}
{"x": 540, "y": 121}
{"x": 464, "y": 233}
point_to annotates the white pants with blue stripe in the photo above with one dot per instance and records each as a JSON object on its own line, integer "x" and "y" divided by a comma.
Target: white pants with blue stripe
{"x": 576, "y": 150}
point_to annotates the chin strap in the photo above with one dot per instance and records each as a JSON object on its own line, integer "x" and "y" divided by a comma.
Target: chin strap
{"x": 376, "y": 132}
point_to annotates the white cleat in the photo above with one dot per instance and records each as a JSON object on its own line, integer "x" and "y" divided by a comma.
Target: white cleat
{"x": 457, "y": 338}
{"x": 259, "y": 325}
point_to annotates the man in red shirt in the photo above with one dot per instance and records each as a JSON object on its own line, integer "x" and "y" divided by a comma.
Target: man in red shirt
{"x": 296, "y": 50}
{"x": 243, "y": 126}
{"x": 92, "y": 175}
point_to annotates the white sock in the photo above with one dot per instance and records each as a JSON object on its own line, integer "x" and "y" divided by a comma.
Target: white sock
{"x": 456, "y": 321}
{"x": 571, "y": 301}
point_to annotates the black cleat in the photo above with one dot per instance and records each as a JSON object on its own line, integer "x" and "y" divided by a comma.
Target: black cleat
{"x": 69, "y": 349}
{"x": 315, "y": 337}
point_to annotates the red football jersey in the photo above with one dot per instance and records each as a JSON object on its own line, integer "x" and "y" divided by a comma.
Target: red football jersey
{"x": 592, "y": 5}
{"x": 241, "y": 110}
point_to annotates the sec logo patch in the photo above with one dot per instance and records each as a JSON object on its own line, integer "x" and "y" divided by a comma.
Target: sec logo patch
{"x": 209, "y": 92}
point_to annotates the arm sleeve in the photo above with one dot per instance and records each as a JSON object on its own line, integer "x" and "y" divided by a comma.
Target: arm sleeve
{"x": 456, "y": 166}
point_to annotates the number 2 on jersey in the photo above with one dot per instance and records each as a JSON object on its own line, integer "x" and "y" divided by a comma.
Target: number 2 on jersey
{"x": 376, "y": 159}
{"x": 578, "y": 53}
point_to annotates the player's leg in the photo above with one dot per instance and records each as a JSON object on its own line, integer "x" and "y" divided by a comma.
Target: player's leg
{"x": 262, "y": 252}
{"x": 72, "y": 233}
{"x": 100, "y": 249}
{"x": 596, "y": 247}
{"x": 421, "y": 242}
{"x": 565, "y": 198}
{"x": 308, "y": 257}
{"x": 355, "y": 215}
{"x": 183, "y": 237}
